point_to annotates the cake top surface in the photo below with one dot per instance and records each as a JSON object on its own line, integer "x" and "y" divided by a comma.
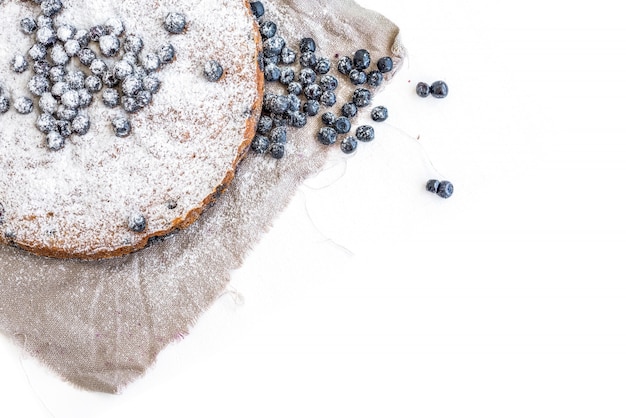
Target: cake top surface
{"x": 88, "y": 197}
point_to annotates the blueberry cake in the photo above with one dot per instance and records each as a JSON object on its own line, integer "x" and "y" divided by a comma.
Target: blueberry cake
{"x": 120, "y": 120}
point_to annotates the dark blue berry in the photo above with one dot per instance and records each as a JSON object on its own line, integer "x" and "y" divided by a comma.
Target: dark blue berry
{"x": 422, "y": 89}
{"x": 348, "y": 144}
{"x": 175, "y": 22}
{"x": 121, "y": 126}
{"x": 439, "y": 89}
{"x": 328, "y": 82}
{"x": 82, "y": 36}
{"x": 272, "y": 47}
{"x": 57, "y": 73}
{"x": 130, "y": 104}
{"x": 122, "y": 69}
{"x": 37, "y": 52}
{"x": 307, "y": 45}
{"x": 264, "y": 125}
{"x": 375, "y": 78}
{"x": 47, "y": 103}
{"x": 81, "y": 124}
{"x": 328, "y": 98}
{"x": 151, "y": 83}
{"x": 64, "y": 127}
{"x": 344, "y": 65}
{"x": 287, "y": 75}
{"x": 349, "y": 110}
{"x": 295, "y": 87}
{"x": 136, "y": 222}
{"x": 271, "y": 60}
{"x": 272, "y": 72}
{"x": 151, "y": 62}
{"x": 277, "y": 150}
{"x": 72, "y": 48}
{"x": 64, "y": 113}
{"x": 294, "y": 102}
{"x": 297, "y": 119}
{"x": 43, "y": 21}
{"x": 84, "y": 98}
{"x": 307, "y": 76}
{"x": 55, "y": 141}
{"x": 361, "y": 59}
{"x": 46, "y": 36}
{"x": 38, "y": 85}
{"x": 51, "y": 7}
{"x": 432, "y": 185}
{"x": 322, "y": 66}
{"x": 109, "y": 79}
{"x": 213, "y": 70}
{"x": 65, "y": 32}
{"x": 257, "y": 8}
{"x": 278, "y": 104}
{"x": 42, "y": 68}
{"x": 110, "y": 97}
{"x": 260, "y": 144}
{"x": 70, "y": 99}
{"x": 327, "y": 135}
{"x": 278, "y": 134}
{"x": 313, "y": 91}
{"x": 144, "y": 97}
{"x": 23, "y": 105}
{"x": 308, "y": 59}
{"x": 329, "y": 119}
{"x": 311, "y": 107}
{"x": 28, "y": 25}
{"x": 166, "y": 53}
{"x": 133, "y": 44}
{"x": 98, "y": 67}
{"x": 267, "y": 29}
{"x": 287, "y": 56}
{"x": 385, "y": 64}
{"x": 358, "y": 77}
{"x": 365, "y": 133}
{"x": 46, "y": 123}
{"x": 110, "y": 45}
{"x": 379, "y": 114}
{"x": 114, "y": 26}
{"x": 362, "y": 97}
{"x": 59, "y": 88}
{"x": 445, "y": 189}
{"x": 4, "y": 104}
{"x": 75, "y": 79}
{"x": 97, "y": 32}
{"x": 343, "y": 125}
{"x": 19, "y": 64}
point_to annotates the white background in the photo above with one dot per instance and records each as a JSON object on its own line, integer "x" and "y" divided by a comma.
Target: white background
{"x": 371, "y": 297}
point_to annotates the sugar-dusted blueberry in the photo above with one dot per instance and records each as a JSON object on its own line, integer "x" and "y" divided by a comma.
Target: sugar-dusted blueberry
{"x": 277, "y": 150}
{"x": 278, "y": 104}
{"x": 81, "y": 124}
{"x": 384, "y": 64}
{"x": 272, "y": 47}
{"x": 59, "y": 88}
{"x": 109, "y": 45}
{"x": 72, "y": 47}
{"x": 57, "y": 73}
{"x": 213, "y": 70}
{"x": 54, "y": 141}
{"x": 19, "y": 64}
{"x": 267, "y": 29}
{"x": 37, "y": 52}
{"x": 362, "y": 59}
{"x": 70, "y": 99}
{"x": 311, "y": 107}
{"x": 42, "y": 67}
{"x": 422, "y": 89}
{"x": 329, "y": 118}
{"x": 445, "y": 189}
{"x": 131, "y": 85}
{"x": 295, "y": 87}
{"x": 287, "y": 56}
{"x": 357, "y": 77}
{"x": 151, "y": 62}
{"x": 97, "y": 32}
{"x": 58, "y": 55}
{"x": 264, "y": 125}
{"x": 379, "y": 114}
{"x": 136, "y": 222}
{"x": 47, "y": 103}
{"x": 365, "y": 133}
{"x": 175, "y": 22}
{"x": 51, "y": 7}
{"x": 313, "y": 91}
{"x": 110, "y": 97}
{"x": 275, "y": 59}
{"x": 257, "y": 8}
{"x": 349, "y": 110}
{"x": 84, "y": 98}
{"x": 278, "y": 134}
{"x": 375, "y": 78}
{"x": 122, "y": 69}
{"x": 166, "y": 53}
{"x": 307, "y": 45}
{"x": 38, "y": 85}
{"x": 44, "y": 21}
{"x": 308, "y": 59}
{"x": 151, "y": 83}
{"x": 322, "y": 66}
{"x": 4, "y": 103}
{"x": 439, "y": 89}
{"x": 297, "y": 119}
{"x": 287, "y": 75}
{"x": 46, "y": 123}
{"x": 327, "y": 135}
{"x": 75, "y": 79}
{"x": 260, "y": 144}
{"x": 130, "y": 58}
{"x": 64, "y": 127}
{"x": 307, "y": 76}
{"x": 328, "y": 82}
{"x": 28, "y": 25}
{"x": 133, "y": 44}
{"x": 46, "y": 36}
{"x": 271, "y": 72}
{"x": 98, "y": 67}
{"x": 344, "y": 65}
{"x": 109, "y": 79}
{"x": 65, "y": 32}
{"x": 348, "y": 145}
{"x": 294, "y": 102}
{"x": 362, "y": 97}
{"x": 83, "y": 38}
{"x": 143, "y": 98}
{"x": 121, "y": 126}
{"x": 87, "y": 56}
{"x": 114, "y": 26}
{"x": 23, "y": 105}
{"x": 64, "y": 113}
{"x": 343, "y": 125}
{"x": 328, "y": 98}
{"x": 432, "y": 185}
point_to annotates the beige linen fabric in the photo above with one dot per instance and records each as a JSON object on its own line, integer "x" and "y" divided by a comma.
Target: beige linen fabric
{"x": 100, "y": 325}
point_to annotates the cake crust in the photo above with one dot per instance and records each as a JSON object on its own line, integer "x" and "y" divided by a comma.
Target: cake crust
{"x": 183, "y": 150}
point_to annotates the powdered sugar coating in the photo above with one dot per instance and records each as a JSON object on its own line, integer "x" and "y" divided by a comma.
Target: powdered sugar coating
{"x": 76, "y": 202}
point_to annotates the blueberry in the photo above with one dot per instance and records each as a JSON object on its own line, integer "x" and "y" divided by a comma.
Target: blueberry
{"x": 275, "y": 59}
{"x": 175, "y": 23}
{"x": 64, "y": 113}
{"x": 133, "y": 44}
{"x": 357, "y": 77}
{"x": 51, "y": 7}
{"x": 121, "y": 126}
{"x": 97, "y": 32}
{"x": 131, "y": 85}
{"x": 432, "y": 185}
{"x": 361, "y": 59}
{"x": 278, "y": 104}
{"x": 1, "y": 213}
{"x": 271, "y": 72}
{"x": 122, "y": 69}
{"x": 343, "y": 125}
{"x": 83, "y": 38}
{"x": 294, "y": 102}
{"x": 58, "y": 55}
{"x": 28, "y": 25}
{"x": 213, "y": 70}
{"x": 54, "y": 141}
{"x": 267, "y": 29}
{"x": 348, "y": 144}
{"x": 136, "y": 222}
{"x": 257, "y": 9}
{"x": 151, "y": 62}
{"x": 75, "y": 79}
{"x": 98, "y": 67}
{"x": 44, "y": 21}
{"x": 297, "y": 119}
{"x": 19, "y": 64}
{"x": 151, "y": 83}
{"x": 329, "y": 119}
{"x": 65, "y": 32}
{"x": 385, "y": 64}
{"x": 130, "y": 58}
{"x": 287, "y": 56}
{"x": 42, "y": 68}
{"x": 327, "y": 135}
{"x": 311, "y": 107}
{"x": 362, "y": 97}
{"x": 4, "y": 104}
{"x": 47, "y": 103}
{"x": 109, "y": 45}
{"x": 295, "y": 87}
{"x": 308, "y": 59}
{"x": 307, "y": 45}
{"x": 322, "y": 66}
{"x": 260, "y": 144}
{"x": 81, "y": 124}
{"x": 278, "y": 134}
{"x": 46, "y": 36}
{"x": 272, "y": 47}
{"x": 86, "y": 56}
{"x": 64, "y": 127}
{"x": 349, "y": 110}
{"x": 84, "y": 98}
{"x": 110, "y": 97}
{"x": 70, "y": 99}
{"x": 38, "y": 85}
{"x": 37, "y": 52}
{"x": 313, "y": 91}
{"x": 109, "y": 79}
{"x": 328, "y": 82}
{"x": 59, "y": 88}
{"x": 375, "y": 78}
{"x": 344, "y": 65}
{"x": 379, "y": 114}
{"x": 328, "y": 98}
{"x": 439, "y": 89}
{"x": 264, "y": 125}
{"x": 56, "y": 74}
{"x": 422, "y": 89}
{"x": 114, "y": 26}
{"x": 277, "y": 150}
{"x": 23, "y": 105}
{"x": 445, "y": 189}
{"x": 365, "y": 133}
{"x": 46, "y": 123}
{"x": 166, "y": 53}
{"x": 307, "y": 76}
{"x": 72, "y": 48}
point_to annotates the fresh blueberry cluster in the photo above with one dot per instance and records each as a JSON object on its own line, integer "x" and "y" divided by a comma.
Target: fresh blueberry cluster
{"x": 71, "y": 65}
{"x": 439, "y": 89}
{"x": 308, "y": 90}
{"x": 443, "y": 188}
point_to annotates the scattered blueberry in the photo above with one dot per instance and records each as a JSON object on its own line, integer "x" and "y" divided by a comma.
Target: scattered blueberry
{"x": 365, "y": 133}
{"x": 264, "y": 125}
{"x": 295, "y": 87}
{"x": 277, "y": 150}
{"x": 439, "y": 89}
{"x": 166, "y": 53}
{"x": 75, "y": 79}
{"x": 151, "y": 83}
{"x": 42, "y": 68}
{"x": 64, "y": 127}
{"x": 329, "y": 118}
{"x": 422, "y": 89}
{"x": 65, "y": 113}
{"x": 349, "y": 110}
{"x": 19, "y": 64}
{"x": 362, "y": 59}
{"x": 133, "y": 44}
{"x": 28, "y": 25}
{"x": 287, "y": 75}
{"x": 385, "y": 64}
{"x": 379, "y": 114}
{"x": 328, "y": 98}
{"x": 72, "y": 47}
{"x": 114, "y": 26}
{"x": 297, "y": 119}
{"x": 4, "y": 104}
{"x": 357, "y": 77}
{"x": 271, "y": 72}
{"x": 313, "y": 91}
{"x": 267, "y": 29}
{"x": 328, "y": 82}
{"x": 343, "y": 125}
{"x": 432, "y": 185}
{"x": 287, "y": 56}
{"x": 47, "y": 103}
{"x": 98, "y": 67}
{"x": 445, "y": 189}
{"x": 348, "y": 144}
{"x": 344, "y": 65}
{"x": 272, "y": 47}
{"x": 70, "y": 99}
{"x": 46, "y": 36}
{"x": 58, "y": 55}
{"x": 175, "y": 22}
{"x": 258, "y": 9}
{"x": 322, "y": 66}
{"x": 80, "y": 124}
{"x": 109, "y": 45}
{"x": 311, "y": 107}
{"x": 96, "y": 32}
{"x": 151, "y": 62}
{"x": 260, "y": 144}
{"x": 307, "y": 45}
{"x": 56, "y": 74}
{"x": 51, "y": 7}
{"x": 65, "y": 32}
{"x": 307, "y": 76}
{"x": 54, "y": 141}
{"x": 213, "y": 70}
{"x": 37, "y": 52}
{"x": 327, "y": 135}
{"x": 38, "y": 85}
{"x": 110, "y": 97}
{"x": 136, "y": 222}
{"x": 278, "y": 134}
{"x": 375, "y": 78}
{"x": 46, "y": 123}
{"x": 121, "y": 126}
{"x": 308, "y": 59}
{"x": 362, "y": 97}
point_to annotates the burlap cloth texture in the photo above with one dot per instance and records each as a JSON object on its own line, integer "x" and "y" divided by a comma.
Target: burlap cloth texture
{"x": 100, "y": 325}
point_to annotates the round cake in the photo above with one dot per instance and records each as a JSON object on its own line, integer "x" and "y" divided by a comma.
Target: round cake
{"x": 120, "y": 120}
